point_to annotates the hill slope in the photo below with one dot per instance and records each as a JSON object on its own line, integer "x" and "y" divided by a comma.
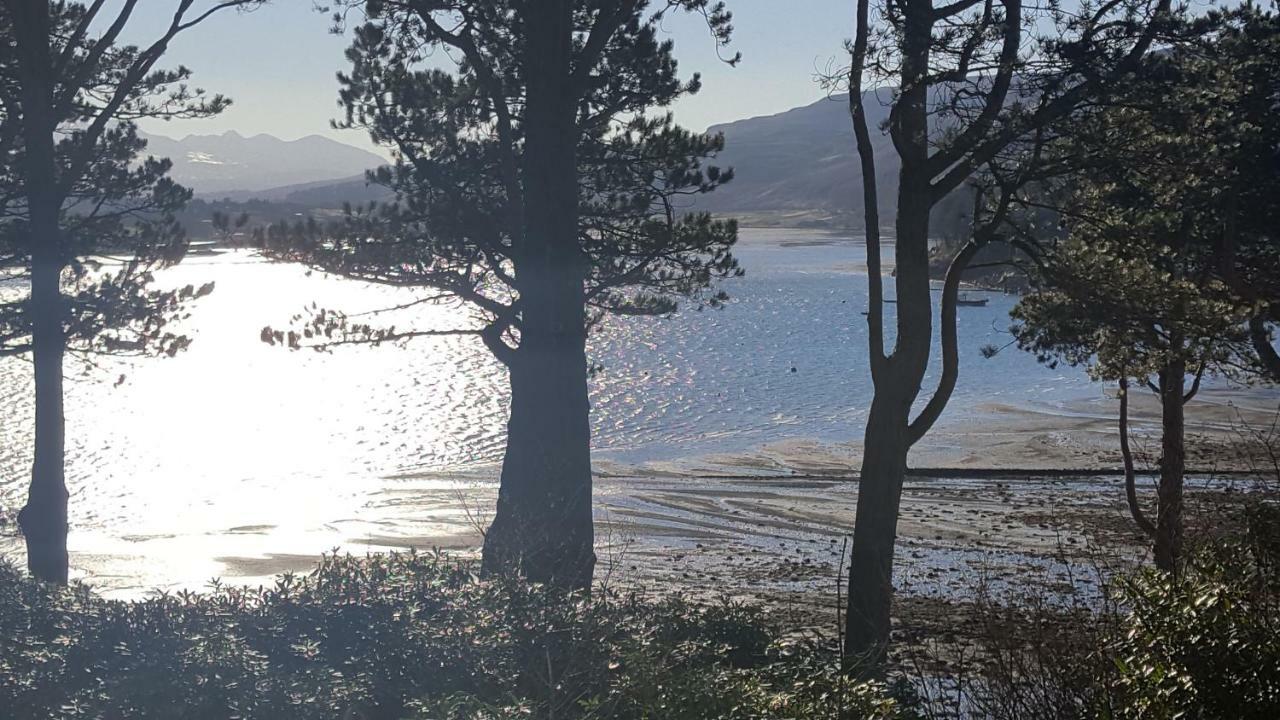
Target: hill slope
{"x": 798, "y": 167}
{"x": 212, "y": 164}
{"x": 803, "y": 162}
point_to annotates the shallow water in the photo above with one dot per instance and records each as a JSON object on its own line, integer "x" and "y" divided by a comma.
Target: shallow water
{"x": 238, "y": 448}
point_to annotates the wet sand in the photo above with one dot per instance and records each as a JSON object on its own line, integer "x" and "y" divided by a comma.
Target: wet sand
{"x": 1012, "y": 499}
{"x": 1000, "y": 495}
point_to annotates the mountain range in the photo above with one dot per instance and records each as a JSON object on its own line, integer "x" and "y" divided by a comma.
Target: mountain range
{"x": 797, "y": 167}
{"x": 801, "y": 166}
{"x": 240, "y": 167}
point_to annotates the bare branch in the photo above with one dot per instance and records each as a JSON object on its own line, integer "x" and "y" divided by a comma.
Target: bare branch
{"x": 870, "y": 193}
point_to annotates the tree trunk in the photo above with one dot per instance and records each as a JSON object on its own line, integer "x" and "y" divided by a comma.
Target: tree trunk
{"x": 887, "y": 441}
{"x": 1168, "y": 536}
{"x": 1130, "y": 475}
{"x": 44, "y": 518}
{"x": 1269, "y": 359}
{"x": 543, "y": 525}
{"x": 897, "y": 379}
{"x": 875, "y": 530}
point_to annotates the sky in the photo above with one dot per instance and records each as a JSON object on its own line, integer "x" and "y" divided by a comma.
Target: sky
{"x": 277, "y": 64}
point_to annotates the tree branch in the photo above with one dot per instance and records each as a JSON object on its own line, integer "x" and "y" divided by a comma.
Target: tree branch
{"x": 1049, "y": 110}
{"x": 870, "y": 193}
{"x": 1130, "y": 476}
{"x": 994, "y": 99}
{"x": 950, "y": 345}
{"x": 1195, "y": 385}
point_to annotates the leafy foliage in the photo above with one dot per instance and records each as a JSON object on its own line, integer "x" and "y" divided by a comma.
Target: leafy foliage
{"x": 1206, "y": 643}
{"x": 1170, "y": 218}
{"x": 1125, "y": 306}
{"x": 405, "y": 635}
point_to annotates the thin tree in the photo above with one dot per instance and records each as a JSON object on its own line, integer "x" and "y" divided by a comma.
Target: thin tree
{"x": 536, "y": 185}
{"x": 973, "y": 78}
{"x": 75, "y": 191}
{"x": 1166, "y": 269}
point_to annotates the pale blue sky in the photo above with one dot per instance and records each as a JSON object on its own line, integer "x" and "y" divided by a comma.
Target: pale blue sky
{"x": 278, "y": 64}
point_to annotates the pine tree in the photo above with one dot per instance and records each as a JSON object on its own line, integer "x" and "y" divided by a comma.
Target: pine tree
{"x": 973, "y": 79}
{"x": 75, "y": 189}
{"x": 535, "y": 182}
{"x": 1169, "y": 211}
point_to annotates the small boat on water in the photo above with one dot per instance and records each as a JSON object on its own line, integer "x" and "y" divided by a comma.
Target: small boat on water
{"x": 961, "y": 300}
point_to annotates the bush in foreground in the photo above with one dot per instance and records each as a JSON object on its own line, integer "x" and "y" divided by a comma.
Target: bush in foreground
{"x": 404, "y": 636}
{"x": 1201, "y": 644}
{"x": 1206, "y": 643}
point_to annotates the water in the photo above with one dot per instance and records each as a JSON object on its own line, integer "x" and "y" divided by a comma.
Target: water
{"x": 235, "y": 439}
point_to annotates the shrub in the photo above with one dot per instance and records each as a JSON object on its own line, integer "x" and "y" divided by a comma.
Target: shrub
{"x": 1206, "y": 643}
{"x": 404, "y": 636}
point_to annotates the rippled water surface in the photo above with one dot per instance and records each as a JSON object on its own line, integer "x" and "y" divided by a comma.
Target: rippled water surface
{"x": 234, "y": 436}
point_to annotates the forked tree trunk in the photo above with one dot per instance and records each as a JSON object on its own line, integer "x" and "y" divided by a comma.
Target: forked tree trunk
{"x": 887, "y": 440}
{"x": 1168, "y": 535}
{"x": 543, "y": 525}
{"x": 44, "y": 518}
{"x": 897, "y": 376}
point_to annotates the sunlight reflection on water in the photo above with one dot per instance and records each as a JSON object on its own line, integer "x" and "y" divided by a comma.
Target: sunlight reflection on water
{"x": 236, "y": 439}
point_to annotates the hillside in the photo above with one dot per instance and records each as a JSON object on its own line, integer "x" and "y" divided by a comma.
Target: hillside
{"x": 802, "y": 163}
{"x": 232, "y": 163}
{"x": 795, "y": 168}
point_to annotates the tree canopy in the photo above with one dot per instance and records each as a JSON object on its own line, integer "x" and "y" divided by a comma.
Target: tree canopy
{"x": 457, "y": 139}
{"x": 1167, "y": 213}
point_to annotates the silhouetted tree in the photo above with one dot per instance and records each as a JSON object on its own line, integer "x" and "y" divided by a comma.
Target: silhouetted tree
{"x": 973, "y": 77}
{"x": 535, "y": 183}
{"x": 74, "y": 192}
{"x": 1170, "y": 212}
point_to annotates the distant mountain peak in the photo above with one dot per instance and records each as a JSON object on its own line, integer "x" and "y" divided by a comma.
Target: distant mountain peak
{"x": 230, "y": 162}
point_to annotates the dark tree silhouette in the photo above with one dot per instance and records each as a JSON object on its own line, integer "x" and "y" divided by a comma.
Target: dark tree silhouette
{"x": 74, "y": 192}
{"x": 1170, "y": 213}
{"x": 974, "y": 78}
{"x": 535, "y": 183}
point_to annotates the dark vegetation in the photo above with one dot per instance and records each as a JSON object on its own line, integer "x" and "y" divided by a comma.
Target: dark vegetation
{"x": 404, "y": 636}
{"x": 1200, "y": 644}
{"x": 421, "y": 636}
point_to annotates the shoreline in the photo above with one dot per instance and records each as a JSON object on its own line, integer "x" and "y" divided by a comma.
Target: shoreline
{"x": 1001, "y": 442}
{"x": 972, "y": 485}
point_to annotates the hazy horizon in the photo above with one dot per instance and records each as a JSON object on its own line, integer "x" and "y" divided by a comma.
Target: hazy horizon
{"x": 280, "y": 70}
